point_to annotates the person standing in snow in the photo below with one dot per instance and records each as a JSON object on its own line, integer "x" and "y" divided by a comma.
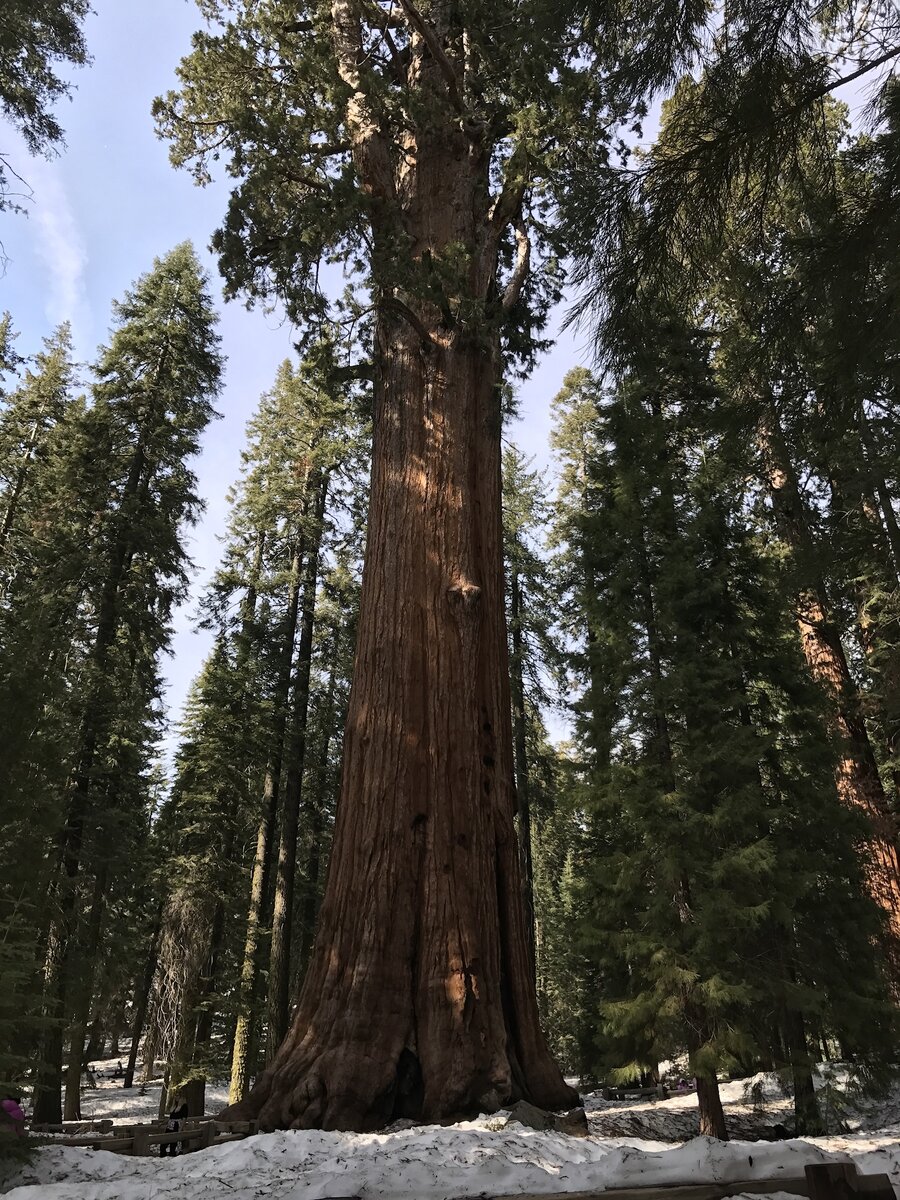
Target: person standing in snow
{"x": 11, "y": 1114}
{"x": 176, "y": 1116}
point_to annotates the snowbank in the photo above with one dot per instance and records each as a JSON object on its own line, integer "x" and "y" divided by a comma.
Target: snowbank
{"x": 432, "y": 1163}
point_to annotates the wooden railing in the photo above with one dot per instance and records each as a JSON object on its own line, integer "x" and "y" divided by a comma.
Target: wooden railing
{"x": 195, "y": 1133}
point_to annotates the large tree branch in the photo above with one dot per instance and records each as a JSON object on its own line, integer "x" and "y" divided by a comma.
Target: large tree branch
{"x": 371, "y": 152}
{"x": 418, "y": 23}
{"x": 329, "y": 149}
{"x": 306, "y": 180}
{"x": 403, "y": 310}
{"x": 513, "y": 289}
{"x": 688, "y": 157}
{"x": 351, "y": 372}
{"x": 507, "y": 206}
{"x": 391, "y": 18}
{"x": 857, "y": 74}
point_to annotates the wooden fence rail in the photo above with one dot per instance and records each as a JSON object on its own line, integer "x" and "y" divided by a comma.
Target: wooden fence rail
{"x": 195, "y": 1133}
{"x": 821, "y": 1181}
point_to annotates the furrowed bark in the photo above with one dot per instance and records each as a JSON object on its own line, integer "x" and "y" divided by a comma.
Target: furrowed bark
{"x": 309, "y": 906}
{"x": 403, "y": 1012}
{"x": 83, "y": 995}
{"x": 419, "y": 999}
{"x": 523, "y": 778}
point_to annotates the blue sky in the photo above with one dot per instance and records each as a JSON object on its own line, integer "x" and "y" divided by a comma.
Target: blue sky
{"x": 107, "y": 206}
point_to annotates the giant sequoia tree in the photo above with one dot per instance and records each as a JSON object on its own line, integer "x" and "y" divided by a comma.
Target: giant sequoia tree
{"x": 421, "y": 143}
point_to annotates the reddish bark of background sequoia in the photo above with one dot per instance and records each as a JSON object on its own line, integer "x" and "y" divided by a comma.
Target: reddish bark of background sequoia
{"x": 857, "y": 777}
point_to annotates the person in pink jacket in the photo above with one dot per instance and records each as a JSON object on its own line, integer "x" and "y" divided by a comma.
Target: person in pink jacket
{"x": 11, "y": 1113}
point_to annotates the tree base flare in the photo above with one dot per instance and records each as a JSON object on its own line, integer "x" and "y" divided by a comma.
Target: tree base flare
{"x": 348, "y": 1090}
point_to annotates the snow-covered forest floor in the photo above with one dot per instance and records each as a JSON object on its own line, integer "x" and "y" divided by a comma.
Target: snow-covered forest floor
{"x": 630, "y": 1145}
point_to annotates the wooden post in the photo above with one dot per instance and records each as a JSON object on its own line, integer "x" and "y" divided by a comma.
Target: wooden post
{"x": 842, "y": 1181}
{"x": 140, "y": 1144}
{"x": 208, "y": 1134}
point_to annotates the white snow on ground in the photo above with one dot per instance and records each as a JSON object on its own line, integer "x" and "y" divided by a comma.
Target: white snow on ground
{"x": 472, "y": 1159}
{"x": 138, "y": 1103}
{"x": 770, "y": 1196}
{"x": 431, "y": 1163}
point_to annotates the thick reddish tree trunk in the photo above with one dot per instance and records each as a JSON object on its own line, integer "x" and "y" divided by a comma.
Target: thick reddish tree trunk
{"x": 419, "y": 999}
{"x": 857, "y": 777}
{"x": 520, "y": 757}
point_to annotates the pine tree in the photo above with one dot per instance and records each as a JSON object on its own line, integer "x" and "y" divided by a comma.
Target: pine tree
{"x": 39, "y": 628}
{"x": 202, "y": 826}
{"x": 30, "y": 414}
{"x": 302, "y": 430}
{"x": 151, "y": 402}
{"x": 702, "y": 825}
{"x": 241, "y": 764}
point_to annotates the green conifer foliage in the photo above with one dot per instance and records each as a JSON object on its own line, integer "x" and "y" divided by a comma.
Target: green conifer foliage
{"x": 36, "y": 36}
{"x": 533, "y": 655}
{"x": 125, "y": 481}
{"x": 713, "y": 811}
{"x": 37, "y": 624}
{"x": 29, "y": 418}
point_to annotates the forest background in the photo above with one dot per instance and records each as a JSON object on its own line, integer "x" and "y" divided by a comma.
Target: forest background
{"x": 719, "y": 595}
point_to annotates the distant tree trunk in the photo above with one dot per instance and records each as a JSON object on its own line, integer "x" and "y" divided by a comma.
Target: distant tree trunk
{"x": 142, "y": 996}
{"x": 283, "y": 908}
{"x": 194, "y": 1087}
{"x": 209, "y": 980}
{"x": 83, "y": 994}
{"x": 97, "y": 1038}
{"x": 520, "y": 749}
{"x": 115, "y": 1032}
{"x": 709, "y": 1101}
{"x": 163, "y": 1106}
{"x": 47, "y": 1102}
{"x": 807, "y": 1118}
{"x": 246, "y": 1028}
{"x": 712, "y": 1115}
{"x": 857, "y": 778}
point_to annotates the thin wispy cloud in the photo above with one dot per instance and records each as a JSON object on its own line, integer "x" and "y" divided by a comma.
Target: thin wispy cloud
{"x": 61, "y": 249}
